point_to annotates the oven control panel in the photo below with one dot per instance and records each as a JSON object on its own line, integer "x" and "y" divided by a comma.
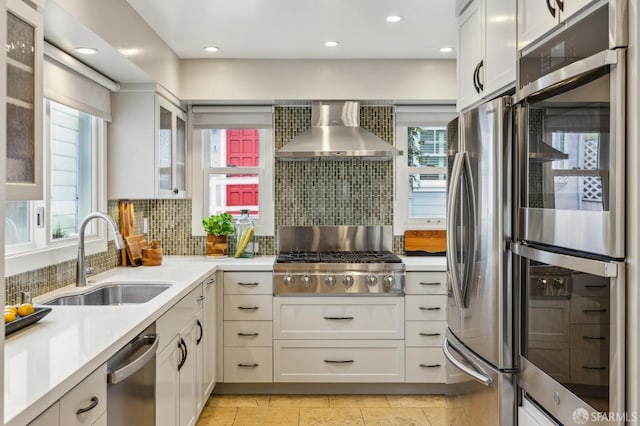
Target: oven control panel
{"x": 389, "y": 283}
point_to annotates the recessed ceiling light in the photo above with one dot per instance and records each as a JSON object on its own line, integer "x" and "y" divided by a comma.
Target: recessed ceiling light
{"x": 446, "y": 49}
{"x": 212, "y": 49}
{"x": 394, "y": 18}
{"x": 86, "y": 50}
{"x": 331, "y": 43}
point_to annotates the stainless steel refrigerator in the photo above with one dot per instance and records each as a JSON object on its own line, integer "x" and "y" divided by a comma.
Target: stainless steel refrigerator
{"x": 479, "y": 344}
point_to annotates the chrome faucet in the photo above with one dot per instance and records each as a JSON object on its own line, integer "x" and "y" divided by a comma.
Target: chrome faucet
{"x": 81, "y": 272}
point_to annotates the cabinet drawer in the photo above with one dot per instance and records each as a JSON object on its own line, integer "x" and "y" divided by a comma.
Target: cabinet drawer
{"x": 425, "y": 333}
{"x": 589, "y": 336}
{"x": 248, "y": 283}
{"x": 425, "y": 365}
{"x": 427, "y": 307}
{"x": 94, "y": 386}
{"x": 327, "y": 361}
{"x": 247, "y": 307}
{"x": 248, "y": 365}
{"x": 589, "y": 367}
{"x": 248, "y": 333}
{"x": 338, "y": 318}
{"x": 589, "y": 310}
{"x": 426, "y": 283}
{"x": 172, "y": 321}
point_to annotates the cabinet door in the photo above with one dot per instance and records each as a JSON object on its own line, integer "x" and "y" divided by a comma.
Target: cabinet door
{"x": 51, "y": 417}
{"x": 500, "y": 45}
{"x": 535, "y": 18}
{"x": 180, "y": 169}
{"x": 571, "y": 7}
{"x": 167, "y": 381}
{"x": 470, "y": 55}
{"x": 165, "y": 141}
{"x": 187, "y": 376}
{"x": 171, "y": 150}
{"x": 208, "y": 342}
{"x": 24, "y": 102}
{"x": 87, "y": 401}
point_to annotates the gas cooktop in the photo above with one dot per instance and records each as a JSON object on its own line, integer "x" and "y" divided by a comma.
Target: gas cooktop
{"x": 337, "y": 257}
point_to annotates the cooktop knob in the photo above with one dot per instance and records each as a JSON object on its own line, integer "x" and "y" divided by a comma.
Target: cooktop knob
{"x": 288, "y": 280}
{"x": 347, "y": 280}
{"x": 306, "y": 281}
{"x": 372, "y": 280}
{"x": 330, "y": 280}
{"x": 388, "y": 281}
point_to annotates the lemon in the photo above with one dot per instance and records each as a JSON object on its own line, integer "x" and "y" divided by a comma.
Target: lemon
{"x": 25, "y": 309}
{"x": 11, "y": 308}
{"x": 9, "y": 316}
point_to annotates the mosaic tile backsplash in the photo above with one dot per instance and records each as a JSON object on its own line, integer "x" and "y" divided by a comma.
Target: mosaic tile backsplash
{"x": 350, "y": 192}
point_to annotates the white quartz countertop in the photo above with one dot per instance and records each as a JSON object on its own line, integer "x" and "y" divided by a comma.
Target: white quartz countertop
{"x": 46, "y": 360}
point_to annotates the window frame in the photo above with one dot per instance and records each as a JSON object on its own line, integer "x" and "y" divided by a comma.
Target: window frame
{"x": 235, "y": 117}
{"x": 425, "y": 116}
{"x": 44, "y": 251}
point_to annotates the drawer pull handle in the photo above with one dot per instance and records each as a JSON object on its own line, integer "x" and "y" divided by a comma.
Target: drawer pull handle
{"x": 429, "y": 283}
{"x": 200, "y": 298}
{"x": 429, "y": 365}
{"x": 594, "y": 311}
{"x": 338, "y": 361}
{"x": 596, "y": 286}
{"x": 424, "y": 308}
{"x": 248, "y": 308}
{"x": 588, "y": 367}
{"x": 248, "y": 334}
{"x": 254, "y": 365}
{"x": 249, "y": 284}
{"x": 94, "y": 404}
{"x": 211, "y": 281}
{"x": 338, "y": 318}
{"x": 430, "y": 334}
{"x": 594, "y": 337}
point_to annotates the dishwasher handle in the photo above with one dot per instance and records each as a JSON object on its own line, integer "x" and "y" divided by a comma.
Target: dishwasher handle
{"x": 117, "y": 376}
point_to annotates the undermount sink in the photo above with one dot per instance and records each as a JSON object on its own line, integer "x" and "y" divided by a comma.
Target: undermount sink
{"x": 112, "y": 294}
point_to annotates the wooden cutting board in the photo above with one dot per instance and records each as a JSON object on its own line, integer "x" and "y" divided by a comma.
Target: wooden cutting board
{"x": 135, "y": 244}
{"x": 127, "y": 224}
{"x": 425, "y": 243}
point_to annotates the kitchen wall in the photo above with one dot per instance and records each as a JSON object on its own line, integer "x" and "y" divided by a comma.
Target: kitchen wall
{"x": 351, "y": 192}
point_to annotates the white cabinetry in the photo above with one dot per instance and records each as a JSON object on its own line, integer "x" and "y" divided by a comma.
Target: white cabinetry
{"x": 486, "y": 51}
{"x": 538, "y": 17}
{"x": 426, "y": 316}
{"x": 147, "y": 147}
{"x": 248, "y": 327}
{"x": 332, "y": 339}
{"x": 24, "y": 50}
{"x": 84, "y": 405}
{"x": 184, "y": 366}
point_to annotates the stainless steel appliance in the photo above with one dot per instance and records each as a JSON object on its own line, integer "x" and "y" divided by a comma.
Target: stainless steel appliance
{"x": 571, "y": 136}
{"x": 337, "y": 260}
{"x": 131, "y": 379}
{"x": 479, "y": 340}
{"x": 570, "y": 241}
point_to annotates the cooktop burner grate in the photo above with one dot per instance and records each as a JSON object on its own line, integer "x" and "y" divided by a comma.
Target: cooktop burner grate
{"x": 338, "y": 257}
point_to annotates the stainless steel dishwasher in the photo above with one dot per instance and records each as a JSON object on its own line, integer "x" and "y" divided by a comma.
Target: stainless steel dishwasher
{"x": 131, "y": 381}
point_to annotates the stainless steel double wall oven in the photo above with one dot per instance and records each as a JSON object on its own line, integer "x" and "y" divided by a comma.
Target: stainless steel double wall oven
{"x": 570, "y": 220}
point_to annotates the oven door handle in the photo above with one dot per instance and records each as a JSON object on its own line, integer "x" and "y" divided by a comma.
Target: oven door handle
{"x": 452, "y": 246}
{"x": 569, "y": 73}
{"x": 475, "y": 372}
{"x": 580, "y": 264}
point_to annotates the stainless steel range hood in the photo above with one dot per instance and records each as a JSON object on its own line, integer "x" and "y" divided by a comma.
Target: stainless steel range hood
{"x": 335, "y": 134}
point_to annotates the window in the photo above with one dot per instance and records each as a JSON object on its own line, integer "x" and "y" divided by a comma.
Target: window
{"x": 44, "y": 232}
{"x": 236, "y": 151}
{"x": 421, "y": 172}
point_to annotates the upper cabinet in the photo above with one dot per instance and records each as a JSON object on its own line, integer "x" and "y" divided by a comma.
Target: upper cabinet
{"x": 537, "y": 17}
{"x": 24, "y": 102}
{"x": 147, "y": 147}
{"x": 486, "y": 50}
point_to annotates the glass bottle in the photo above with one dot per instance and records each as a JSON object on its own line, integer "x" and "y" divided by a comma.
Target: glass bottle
{"x": 244, "y": 235}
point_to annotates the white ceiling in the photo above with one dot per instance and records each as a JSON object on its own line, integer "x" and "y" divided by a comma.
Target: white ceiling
{"x": 297, "y": 29}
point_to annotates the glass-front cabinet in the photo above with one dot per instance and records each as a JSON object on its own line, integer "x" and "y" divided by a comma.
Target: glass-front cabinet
{"x": 172, "y": 153}
{"x": 24, "y": 102}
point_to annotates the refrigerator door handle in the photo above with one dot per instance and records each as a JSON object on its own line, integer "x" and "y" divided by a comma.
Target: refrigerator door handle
{"x": 476, "y": 373}
{"x": 452, "y": 247}
{"x": 471, "y": 239}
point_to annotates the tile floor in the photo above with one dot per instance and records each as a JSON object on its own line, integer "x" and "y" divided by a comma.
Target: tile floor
{"x": 317, "y": 410}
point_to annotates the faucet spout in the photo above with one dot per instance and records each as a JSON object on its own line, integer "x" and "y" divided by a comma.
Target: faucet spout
{"x": 81, "y": 272}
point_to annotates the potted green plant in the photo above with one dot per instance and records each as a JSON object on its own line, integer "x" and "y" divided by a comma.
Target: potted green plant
{"x": 218, "y": 227}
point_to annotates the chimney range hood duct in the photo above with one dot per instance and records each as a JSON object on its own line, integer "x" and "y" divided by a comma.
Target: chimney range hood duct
{"x": 336, "y": 134}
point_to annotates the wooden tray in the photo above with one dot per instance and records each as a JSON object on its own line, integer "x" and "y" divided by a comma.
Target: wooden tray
{"x": 21, "y": 322}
